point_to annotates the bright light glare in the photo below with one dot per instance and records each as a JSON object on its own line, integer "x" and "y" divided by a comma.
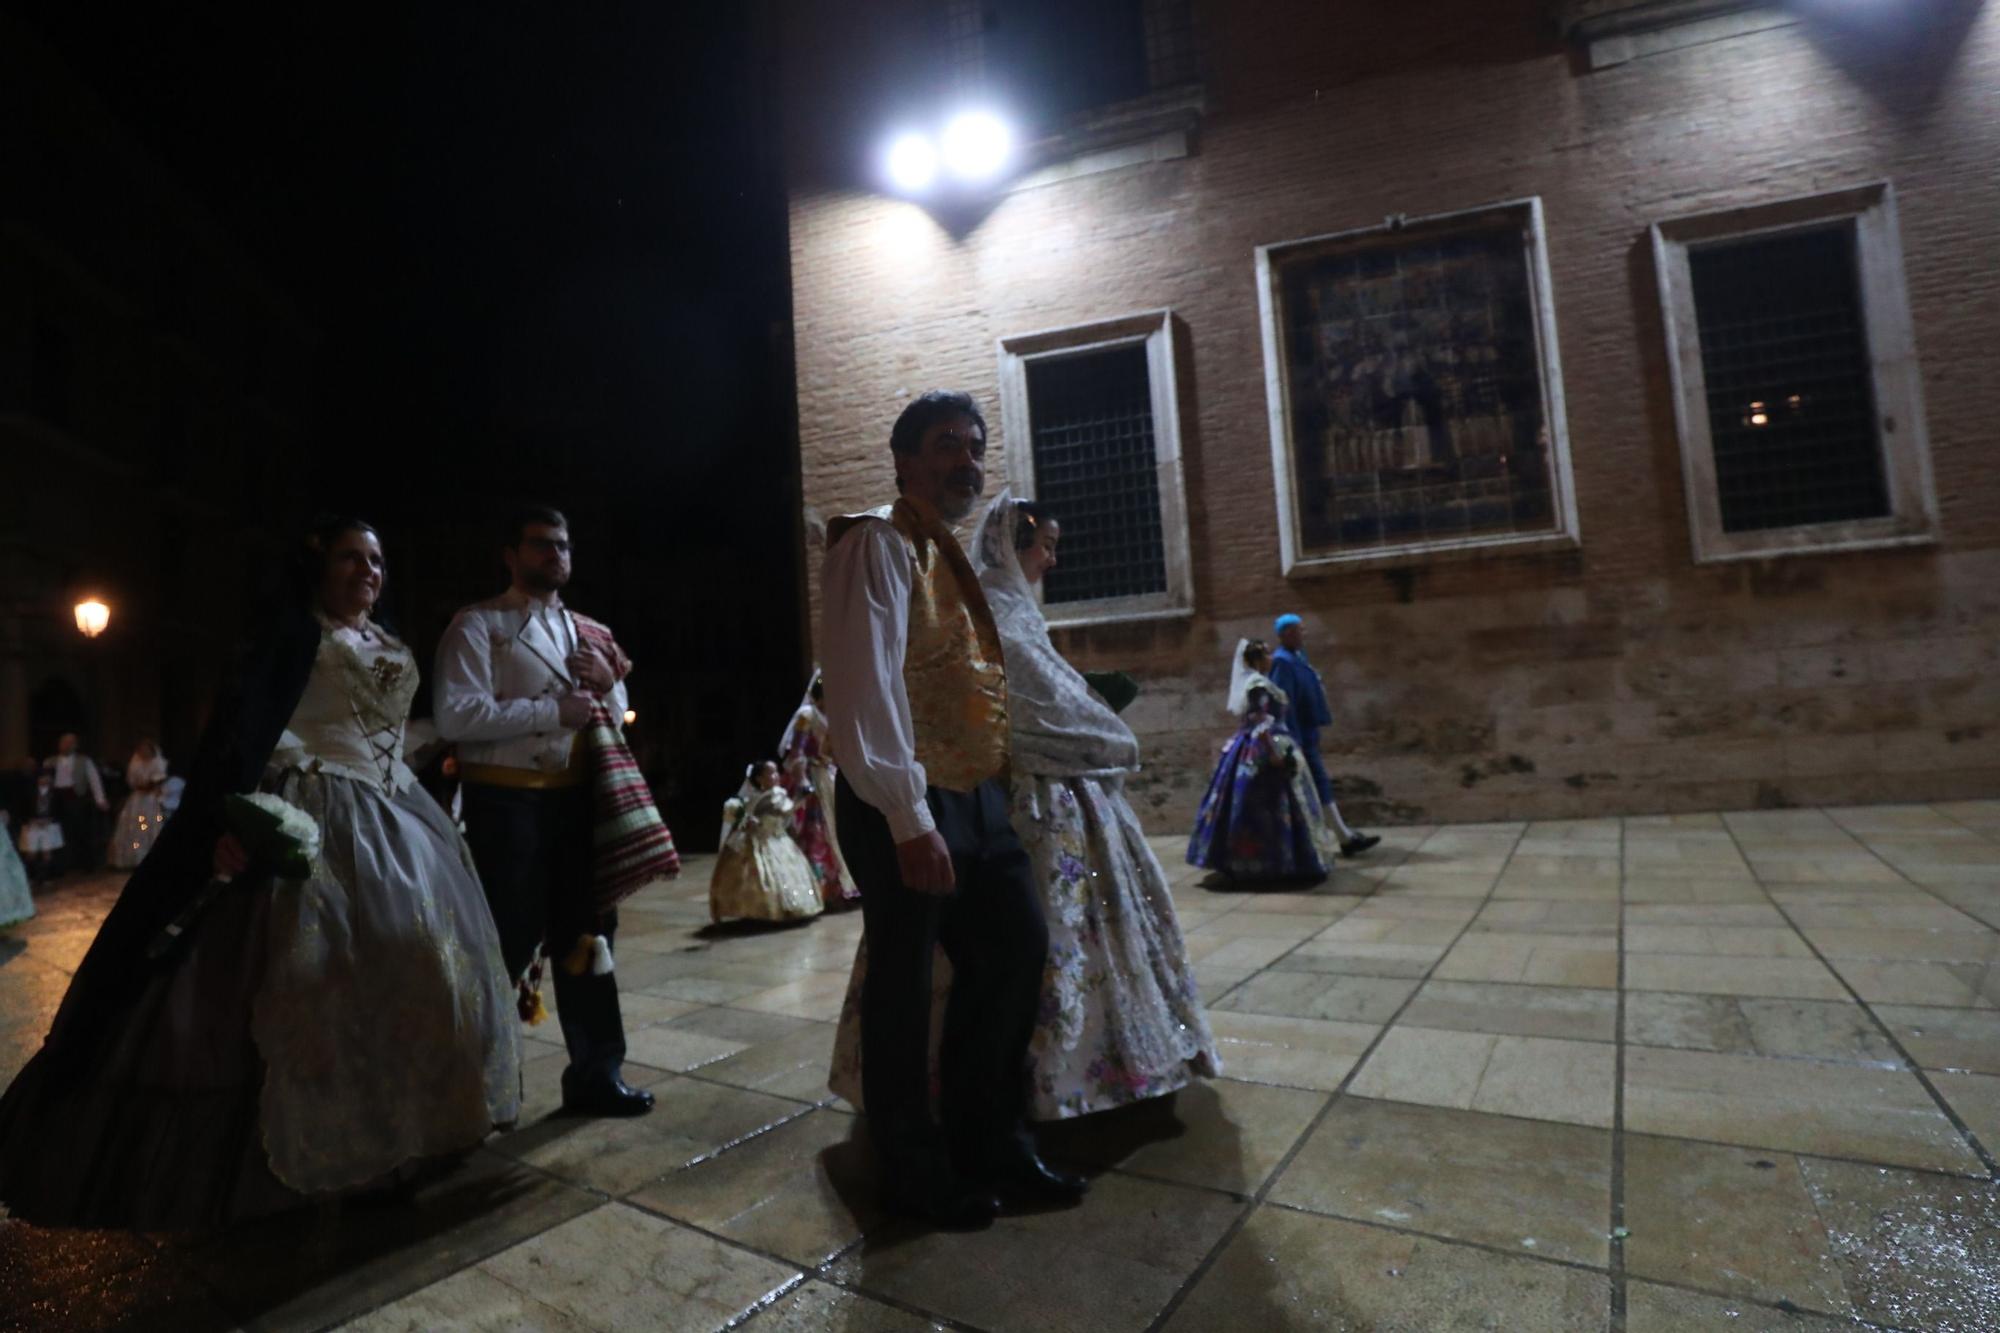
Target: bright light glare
{"x": 912, "y": 162}
{"x": 976, "y": 145}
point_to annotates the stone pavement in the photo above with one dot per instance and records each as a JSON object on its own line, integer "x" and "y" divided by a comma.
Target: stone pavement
{"x": 1711, "y": 1071}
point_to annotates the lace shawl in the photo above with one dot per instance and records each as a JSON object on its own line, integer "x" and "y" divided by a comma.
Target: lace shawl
{"x": 1058, "y": 727}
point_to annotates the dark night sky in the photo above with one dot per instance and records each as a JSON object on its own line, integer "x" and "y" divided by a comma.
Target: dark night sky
{"x": 531, "y": 220}
{"x": 543, "y": 249}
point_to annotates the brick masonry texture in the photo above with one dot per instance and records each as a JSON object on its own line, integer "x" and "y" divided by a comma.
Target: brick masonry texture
{"x": 1618, "y": 677}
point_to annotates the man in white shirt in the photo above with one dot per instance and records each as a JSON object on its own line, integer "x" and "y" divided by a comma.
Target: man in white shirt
{"x": 515, "y": 685}
{"x": 79, "y": 799}
{"x": 916, "y": 707}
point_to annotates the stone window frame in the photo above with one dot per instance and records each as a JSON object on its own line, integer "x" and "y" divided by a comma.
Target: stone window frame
{"x": 1612, "y": 32}
{"x": 1901, "y": 436}
{"x": 1155, "y": 330}
{"x": 1566, "y": 532}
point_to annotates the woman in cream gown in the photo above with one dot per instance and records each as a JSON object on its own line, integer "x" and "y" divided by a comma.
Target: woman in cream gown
{"x": 303, "y": 1039}
{"x": 144, "y": 810}
{"x": 760, "y": 874}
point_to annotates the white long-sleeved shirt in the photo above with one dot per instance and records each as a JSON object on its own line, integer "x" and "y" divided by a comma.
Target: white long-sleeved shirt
{"x": 502, "y": 669}
{"x": 77, "y": 772}
{"x": 864, "y": 633}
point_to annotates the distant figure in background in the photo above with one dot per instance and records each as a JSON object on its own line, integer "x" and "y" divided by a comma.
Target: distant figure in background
{"x": 139, "y": 819}
{"x": 1294, "y": 674}
{"x": 760, "y": 874}
{"x": 17, "y": 902}
{"x": 79, "y": 802}
{"x": 1261, "y": 818}
{"x": 41, "y": 835}
{"x": 807, "y": 770}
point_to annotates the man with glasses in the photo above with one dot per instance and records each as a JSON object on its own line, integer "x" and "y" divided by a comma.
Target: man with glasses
{"x": 515, "y": 687}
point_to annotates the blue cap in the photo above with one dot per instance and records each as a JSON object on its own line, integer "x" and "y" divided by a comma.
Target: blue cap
{"x": 1285, "y": 620}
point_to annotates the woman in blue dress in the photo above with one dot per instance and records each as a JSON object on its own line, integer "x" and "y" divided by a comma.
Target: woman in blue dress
{"x": 1261, "y": 818}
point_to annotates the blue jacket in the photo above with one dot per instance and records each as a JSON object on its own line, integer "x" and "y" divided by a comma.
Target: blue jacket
{"x": 1292, "y": 673}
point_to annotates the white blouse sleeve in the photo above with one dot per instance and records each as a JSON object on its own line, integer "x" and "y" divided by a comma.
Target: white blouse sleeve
{"x": 864, "y": 630}
{"x": 464, "y": 694}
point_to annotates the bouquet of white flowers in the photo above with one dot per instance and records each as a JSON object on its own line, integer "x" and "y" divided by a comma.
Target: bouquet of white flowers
{"x": 281, "y": 840}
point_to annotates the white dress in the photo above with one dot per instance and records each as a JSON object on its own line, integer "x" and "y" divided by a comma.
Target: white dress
{"x": 760, "y": 874}
{"x": 42, "y": 833}
{"x": 144, "y": 811}
{"x": 1121, "y": 1016}
{"x": 386, "y": 1019}
{"x": 307, "y": 1037}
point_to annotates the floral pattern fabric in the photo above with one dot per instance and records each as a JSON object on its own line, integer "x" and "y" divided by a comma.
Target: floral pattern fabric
{"x": 809, "y": 773}
{"x": 1121, "y": 1017}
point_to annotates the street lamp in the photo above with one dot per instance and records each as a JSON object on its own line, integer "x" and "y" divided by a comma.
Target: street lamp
{"x": 977, "y": 145}
{"x": 91, "y": 617}
{"x": 912, "y": 163}
{"x": 973, "y": 148}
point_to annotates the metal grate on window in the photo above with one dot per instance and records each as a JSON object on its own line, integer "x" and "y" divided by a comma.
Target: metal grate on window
{"x": 964, "y": 30}
{"x": 1096, "y": 469}
{"x": 1170, "y": 59}
{"x": 1791, "y": 403}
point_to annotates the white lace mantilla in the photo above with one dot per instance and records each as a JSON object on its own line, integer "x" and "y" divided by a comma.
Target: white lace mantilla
{"x": 1059, "y": 727}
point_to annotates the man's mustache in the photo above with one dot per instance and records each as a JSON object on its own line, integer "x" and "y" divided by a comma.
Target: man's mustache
{"x": 966, "y": 478}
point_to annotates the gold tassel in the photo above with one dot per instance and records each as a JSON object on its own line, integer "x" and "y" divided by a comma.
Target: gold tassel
{"x": 577, "y": 961}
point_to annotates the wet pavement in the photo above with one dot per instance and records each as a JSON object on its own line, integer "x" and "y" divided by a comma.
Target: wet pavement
{"x": 1709, "y": 1071}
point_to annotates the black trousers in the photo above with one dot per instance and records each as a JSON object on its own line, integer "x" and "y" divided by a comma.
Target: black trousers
{"x": 992, "y": 931}
{"x": 533, "y": 853}
{"x": 82, "y": 830}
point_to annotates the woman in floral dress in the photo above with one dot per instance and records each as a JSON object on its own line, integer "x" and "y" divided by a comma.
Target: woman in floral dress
{"x": 1261, "y": 818}
{"x": 1121, "y": 1018}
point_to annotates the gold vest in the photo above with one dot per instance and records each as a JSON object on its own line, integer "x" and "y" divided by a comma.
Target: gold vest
{"x": 952, "y": 668}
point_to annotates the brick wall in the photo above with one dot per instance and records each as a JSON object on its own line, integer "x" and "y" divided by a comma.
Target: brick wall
{"x": 1616, "y": 677}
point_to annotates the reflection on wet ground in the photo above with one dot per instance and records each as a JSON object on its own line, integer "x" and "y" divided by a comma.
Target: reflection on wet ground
{"x": 1736, "y": 1070}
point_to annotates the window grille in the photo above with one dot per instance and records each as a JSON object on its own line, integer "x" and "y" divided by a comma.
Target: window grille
{"x": 1170, "y": 58}
{"x": 964, "y": 24}
{"x": 1051, "y": 59}
{"x": 1097, "y": 470}
{"x": 1791, "y": 406}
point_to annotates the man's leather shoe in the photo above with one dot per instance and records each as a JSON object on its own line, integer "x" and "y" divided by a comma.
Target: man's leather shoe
{"x": 1358, "y": 844}
{"x": 923, "y": 1187}
{"x": 609, "y": 1096}
{"x": 1023, "y": 1177}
